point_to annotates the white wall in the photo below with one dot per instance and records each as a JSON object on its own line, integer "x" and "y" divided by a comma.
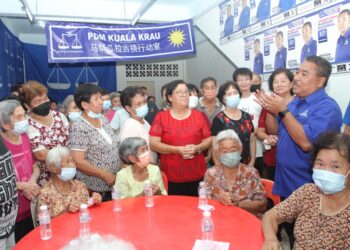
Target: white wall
{"x": 339, "y": 84}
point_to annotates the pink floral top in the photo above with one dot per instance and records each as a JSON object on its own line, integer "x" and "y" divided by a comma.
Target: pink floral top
{"x": 42, "y": 137}
{"x": 246, "y": 186}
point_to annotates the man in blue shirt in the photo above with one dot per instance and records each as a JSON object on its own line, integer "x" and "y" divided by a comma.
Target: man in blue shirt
{"x": 310, "y": 46}
{"x": 258, "y": 67}
{"x": 244, "y": 18}
{"x": 310, "y": 113}
{"x": 285, "y": 5}
{"x": 281, "y": 54}
{"x": 263, "y": 10}
{"x": 228, "y": 29}
{"x": 342, "y": 52}
{"x": 346, "y": 120}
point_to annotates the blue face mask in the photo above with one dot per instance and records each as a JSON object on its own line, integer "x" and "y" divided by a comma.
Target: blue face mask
{"x": 21, "y": 127}
{"x": 142, "y": 111}
{"x": 230, "y": 160}
{"x": 117, "y": 108}
{"x": 67, "y": 174}
{"x": 93, "y": 115}
{"x": 74, "y": 116}
{"x": 232, "y": 101}
{"x": 106, "y": 104}
{"x": 329, "y": 182}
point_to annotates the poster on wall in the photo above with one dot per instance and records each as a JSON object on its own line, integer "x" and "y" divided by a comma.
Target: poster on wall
{"x": 74, "y": 42}
{"x": 243, "y": 17}
{"x": 325, "y": 33}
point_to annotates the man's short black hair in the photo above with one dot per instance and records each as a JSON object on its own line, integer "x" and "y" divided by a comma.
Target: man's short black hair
{"x": 324, "y": 68}
{"x": 242, "y": 72}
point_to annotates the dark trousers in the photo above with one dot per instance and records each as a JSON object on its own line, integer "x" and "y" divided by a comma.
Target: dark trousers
{"x": 259, "y": 165}
{"x": 184, "y": 188}
{"x": 270, "y": 172}
{"x": 23, "y": 227}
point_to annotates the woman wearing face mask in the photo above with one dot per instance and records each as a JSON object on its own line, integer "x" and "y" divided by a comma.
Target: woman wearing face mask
{"x": 130, "y": 180}
{"x": 194, "y": 96}
{"x": 93, "y": 143}
{"x": 47, "y": 128}
{"x": 70, "y": 109}
{"x": 321, "y": 211}
{"x": 233, "y": 118}
{"x": 133, "y": 100}
{"x": 63, "y": 194}
{"x": 107, "y": 104}
{"x": 14, "y": 126}
{"x": 231, "y": 182}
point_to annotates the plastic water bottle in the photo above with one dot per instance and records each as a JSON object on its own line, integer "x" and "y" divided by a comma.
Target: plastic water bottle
{"x": 202, "y": 195}
{"x": 116, "y": 196}
{"x": 148, "y": 194}
{"x": 84, "y": 220}
{"x": 45, "y": 223}
{"x": 207, "y": 231}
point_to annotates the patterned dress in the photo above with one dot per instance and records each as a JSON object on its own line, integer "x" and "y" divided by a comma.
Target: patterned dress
{"x": 56, "y": 202}
{"x": 314, "y": 229}
{"x": 43, "y": 137}
{"x": 246, "y": 186}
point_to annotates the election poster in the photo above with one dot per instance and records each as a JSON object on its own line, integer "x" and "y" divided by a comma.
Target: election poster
{"x": 325, "y": 33}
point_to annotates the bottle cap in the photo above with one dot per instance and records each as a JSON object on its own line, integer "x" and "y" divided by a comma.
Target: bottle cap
{"x": 43, "y": 207}
{"x": 206, "y": 213}
{"x": 83, "y": 206}
{"x": 202, "y": 183}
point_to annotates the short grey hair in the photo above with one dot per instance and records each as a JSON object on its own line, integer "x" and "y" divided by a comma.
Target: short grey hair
{"x": 66, "y": 103}
{"x": 129, "y": 147}
{"x": 7, "y": 108}
{"x": 227, "y": 135}
{"x": 55, "y": 154}
{"x": 113, "y": 95}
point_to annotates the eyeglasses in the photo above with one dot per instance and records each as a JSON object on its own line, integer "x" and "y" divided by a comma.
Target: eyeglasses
{"x": 182, "y": 93}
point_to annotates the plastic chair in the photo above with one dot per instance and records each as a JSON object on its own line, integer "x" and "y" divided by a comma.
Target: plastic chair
{"x": 268, "y": 185}
{"x": 165, "y": 181}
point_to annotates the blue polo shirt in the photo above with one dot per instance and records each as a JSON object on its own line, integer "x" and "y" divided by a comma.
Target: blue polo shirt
{"x": 258, "y": 67}
{"x": 309, "y": 49}
{"x": 244, "y": 18}
{"x": 281, "y": 58}
{"x": 317, "y": 113}
{"x": 228, "y": 26}
{"x": 263, "y": 11}
{"x": 285, "y": 5}
{"x": 346, "y": 119}
{"x": 342, "y": 52}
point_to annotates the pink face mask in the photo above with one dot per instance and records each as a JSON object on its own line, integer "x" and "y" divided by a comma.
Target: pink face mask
{"x": 144, "y": 159}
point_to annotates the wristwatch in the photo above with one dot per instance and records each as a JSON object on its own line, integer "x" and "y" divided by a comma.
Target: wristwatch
{"x": 283, "y": 113}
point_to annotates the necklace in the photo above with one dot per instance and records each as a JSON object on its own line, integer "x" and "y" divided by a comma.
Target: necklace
{"x": 61, "y": 193}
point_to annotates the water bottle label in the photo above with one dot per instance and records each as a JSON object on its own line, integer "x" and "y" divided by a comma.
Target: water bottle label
{"x": 202, "y": 192}
{"x": 44, "y": 219}
{"x": 85, "y": 217}
{"x": 207, "y": 227}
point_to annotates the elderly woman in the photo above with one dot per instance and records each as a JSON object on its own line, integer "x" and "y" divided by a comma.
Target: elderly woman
{"x": 321, "y": 211}
{"x": 231, "y": 182}
{"x": 62, "y": 193}
{"x": 180, "y": 135}
{"x": 70, "y": 109}
{"x": 133, "y": 100}
{"x": 47, "y": 128}
{"x": 116, "y": 105}
{"x": 14, "y": 126}
{"x": 233, "y": 118}
{"x": 281, "y": 83}
{"x": 93, "y": 143}
{"x": 134, "y": 151}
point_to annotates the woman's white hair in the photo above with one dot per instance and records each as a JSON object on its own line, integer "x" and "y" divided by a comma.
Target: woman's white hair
{"x": 227, "y": 135}
{"x": 55, "y": 154}
{"x": 97, "y": 242}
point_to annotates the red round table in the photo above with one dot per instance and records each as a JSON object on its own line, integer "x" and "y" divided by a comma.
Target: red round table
{"x": 173, "y": 223}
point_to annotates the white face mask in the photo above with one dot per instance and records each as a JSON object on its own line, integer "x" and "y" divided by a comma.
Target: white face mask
{"x": 21, "y": 127}
{"x": 193, "y": 101}
{"x": 144, "y": 159}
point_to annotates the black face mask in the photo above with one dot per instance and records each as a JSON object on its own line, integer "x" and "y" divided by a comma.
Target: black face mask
{"x": 255, "y": 87}
{"x": 42, "y": 110}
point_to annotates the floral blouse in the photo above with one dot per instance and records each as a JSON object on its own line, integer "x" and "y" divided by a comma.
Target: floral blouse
{"x": 43, "y": 137}
{"x": 246, "y": 186}
{"x": 243, "y": 127}
{"x": 313, "y": 229}
{"x": 56, "y": 202}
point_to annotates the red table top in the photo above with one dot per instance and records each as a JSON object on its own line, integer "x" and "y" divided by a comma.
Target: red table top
{"x": 173, "y": 223}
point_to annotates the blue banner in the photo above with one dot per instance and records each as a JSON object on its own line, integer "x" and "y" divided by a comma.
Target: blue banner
{"x": 73, "y": 42}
